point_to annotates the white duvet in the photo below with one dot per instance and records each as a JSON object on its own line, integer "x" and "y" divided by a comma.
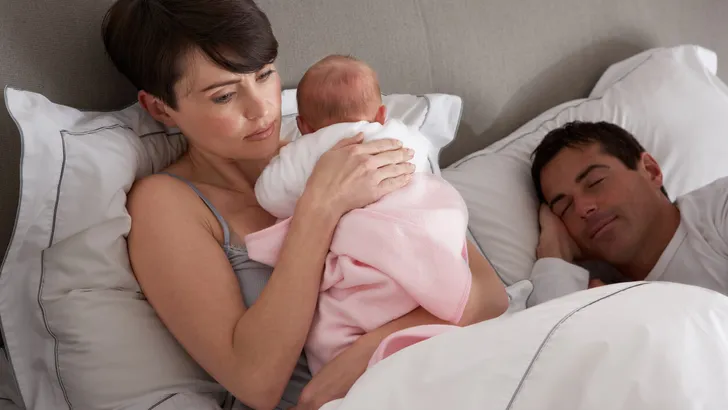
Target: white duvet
{"x": 629, "y": 346}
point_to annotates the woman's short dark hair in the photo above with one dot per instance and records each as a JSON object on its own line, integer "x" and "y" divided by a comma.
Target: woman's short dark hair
{"x": 148, "y": 39}
{"x": 613, "y": 139}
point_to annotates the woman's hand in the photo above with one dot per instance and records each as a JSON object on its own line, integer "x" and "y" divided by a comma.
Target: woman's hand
{"x": 354, "y": 174}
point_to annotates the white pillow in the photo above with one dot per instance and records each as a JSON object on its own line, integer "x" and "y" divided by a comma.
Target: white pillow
{"x": 436, "y": 116}
{"x": 79, "y": 332}
{"x": 669, "y": 98}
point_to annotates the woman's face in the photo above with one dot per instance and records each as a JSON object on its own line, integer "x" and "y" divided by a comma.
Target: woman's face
{"x": 230, "y": 115}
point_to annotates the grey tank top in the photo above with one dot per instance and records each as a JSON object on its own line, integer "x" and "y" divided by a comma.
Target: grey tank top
{"x": 252, "y": 277}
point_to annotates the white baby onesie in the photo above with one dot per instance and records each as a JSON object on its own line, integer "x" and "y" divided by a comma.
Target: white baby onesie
{"x": 282, "y": 182}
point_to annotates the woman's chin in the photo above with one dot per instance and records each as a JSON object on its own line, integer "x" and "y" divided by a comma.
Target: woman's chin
{"x": 259, "y": 150}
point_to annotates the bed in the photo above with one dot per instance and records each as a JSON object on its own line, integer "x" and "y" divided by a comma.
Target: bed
{"x": 508, "y": 64}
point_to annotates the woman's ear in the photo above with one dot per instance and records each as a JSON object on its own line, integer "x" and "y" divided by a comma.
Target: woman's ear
{"x": 156, "y": 108}
{"x": 651, "y": 168}
{"x": 381, "y": 116}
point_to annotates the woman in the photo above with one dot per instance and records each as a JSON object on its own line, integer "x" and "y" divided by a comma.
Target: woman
{"x": 206, "y": 67}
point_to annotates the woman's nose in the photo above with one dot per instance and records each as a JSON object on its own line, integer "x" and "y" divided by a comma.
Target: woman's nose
{"x": 255, "y": 107}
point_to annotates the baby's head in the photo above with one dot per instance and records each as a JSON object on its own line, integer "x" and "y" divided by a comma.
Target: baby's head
{"x": 338, "y": 89}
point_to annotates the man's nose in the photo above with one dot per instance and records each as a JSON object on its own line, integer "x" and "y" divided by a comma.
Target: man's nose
{"x": 585, "y": 206}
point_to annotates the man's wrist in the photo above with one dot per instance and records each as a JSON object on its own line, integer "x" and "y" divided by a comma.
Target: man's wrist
{"x": 552, "y": 253}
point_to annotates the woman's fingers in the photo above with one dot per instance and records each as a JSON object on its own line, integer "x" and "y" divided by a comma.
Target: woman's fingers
{"x": 356, "y": 139}
{"x": 387, "y": 158}
{"x": 377, "y": 146}
{"x": 393, "y": 171}
{"x": 390, "y": 185}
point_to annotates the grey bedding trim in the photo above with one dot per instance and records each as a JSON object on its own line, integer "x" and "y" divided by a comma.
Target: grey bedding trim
{"x": 556, "y": 327}
{"x": 159, "y": 403}
{"x": 468, "y": 159}
{"x": 42, "y": 275}
{"x": 427, "y": 114}
{"x": 43, "y": 310}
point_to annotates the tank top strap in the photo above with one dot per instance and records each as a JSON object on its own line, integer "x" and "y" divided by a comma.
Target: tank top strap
{"x": 218, "y": 215}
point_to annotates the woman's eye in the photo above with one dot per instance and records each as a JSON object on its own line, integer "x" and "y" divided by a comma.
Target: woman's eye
{"x": 223, "y": 98}
{"x": 265, "y": 75}
{"x": 596, "y": 182}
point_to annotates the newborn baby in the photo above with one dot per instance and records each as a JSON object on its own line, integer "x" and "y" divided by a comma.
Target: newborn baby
{"x": 406, "y": 250}
{"x": 337, "y": 97}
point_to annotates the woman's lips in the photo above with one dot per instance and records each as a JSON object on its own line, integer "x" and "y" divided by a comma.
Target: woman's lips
{"x": 262, "y": 134}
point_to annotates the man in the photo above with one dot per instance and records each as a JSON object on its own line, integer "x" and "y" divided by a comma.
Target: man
{"x": 603, "y": 200}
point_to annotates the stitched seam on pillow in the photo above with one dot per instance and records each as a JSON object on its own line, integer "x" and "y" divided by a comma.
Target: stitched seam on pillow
{"x": 464, "y": 160}
{"x": 427, "y": 114}
{"x": 42, "y": 275}
{"x": 629, "y": 72}
{"x": 157, "y": 404}
{"x": 553, "y": 330}
{"x": 56, "y": 343}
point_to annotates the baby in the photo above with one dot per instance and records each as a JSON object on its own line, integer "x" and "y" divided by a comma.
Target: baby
{"x": 337, "y": 97}
{"x": 406, "y": 250}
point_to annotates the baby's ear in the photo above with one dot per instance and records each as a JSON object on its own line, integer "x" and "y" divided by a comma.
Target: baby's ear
{"x": 381, "y": 116}
{"x": 303, "y": 127}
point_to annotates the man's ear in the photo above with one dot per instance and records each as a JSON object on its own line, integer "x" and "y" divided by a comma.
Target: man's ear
{"x": 303, "y": 126}
{"x": 381, "y": 116}
{"x": 651, "y": 168}
{"x": 156, "y": 108}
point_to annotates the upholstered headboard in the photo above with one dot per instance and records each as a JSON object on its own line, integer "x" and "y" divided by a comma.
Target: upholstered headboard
{"x": 509, "y": 60}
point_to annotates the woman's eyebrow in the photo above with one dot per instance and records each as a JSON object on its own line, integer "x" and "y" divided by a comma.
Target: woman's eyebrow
{"x": 220, "y": 84}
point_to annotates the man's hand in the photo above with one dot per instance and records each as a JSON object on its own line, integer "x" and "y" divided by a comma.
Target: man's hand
{"x": 595, "y": 283}
{"x": 554, "y": 240}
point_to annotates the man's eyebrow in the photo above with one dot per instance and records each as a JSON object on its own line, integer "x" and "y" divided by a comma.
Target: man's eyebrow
{"x": 589, "y": 169}
{"x": 220, "y": 84}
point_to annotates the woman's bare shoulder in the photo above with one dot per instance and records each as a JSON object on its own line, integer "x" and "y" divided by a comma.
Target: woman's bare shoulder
{"x": 161, "y": 201}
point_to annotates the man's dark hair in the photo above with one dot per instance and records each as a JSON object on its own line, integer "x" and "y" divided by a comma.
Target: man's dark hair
{"x": 148, "y": 39}
{"x": 613, "y": 139}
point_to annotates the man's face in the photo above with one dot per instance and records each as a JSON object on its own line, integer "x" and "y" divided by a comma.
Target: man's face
{"x": 607, "y": 208}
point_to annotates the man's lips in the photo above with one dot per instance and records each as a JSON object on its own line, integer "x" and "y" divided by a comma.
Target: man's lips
{"x": 599, "y": 226}
{"x": 261, "y": 133}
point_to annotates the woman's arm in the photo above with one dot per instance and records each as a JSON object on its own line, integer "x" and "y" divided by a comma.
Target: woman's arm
{"x": 488, "y": 297}
{"x": 337, "y": 377}
{"x": 188, "y": 280}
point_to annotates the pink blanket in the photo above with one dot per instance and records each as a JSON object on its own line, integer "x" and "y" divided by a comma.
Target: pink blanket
{"x": 404, "y": 251}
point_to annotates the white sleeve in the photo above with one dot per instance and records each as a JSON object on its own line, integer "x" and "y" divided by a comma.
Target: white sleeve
{"x": 411, "y": 138}
{"x": 282, "y": 182}
{"x": 553, "y": 278}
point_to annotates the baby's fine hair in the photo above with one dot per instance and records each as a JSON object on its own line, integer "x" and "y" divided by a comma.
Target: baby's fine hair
{"x": 338, "y": 88}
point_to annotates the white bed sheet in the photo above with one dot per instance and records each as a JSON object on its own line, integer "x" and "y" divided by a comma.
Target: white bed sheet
{"x": 629, "y": 346}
